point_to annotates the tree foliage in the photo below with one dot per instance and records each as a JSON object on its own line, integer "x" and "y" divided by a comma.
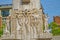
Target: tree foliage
{"x": 55, "y": 28}
{"x": 1, "y": 29}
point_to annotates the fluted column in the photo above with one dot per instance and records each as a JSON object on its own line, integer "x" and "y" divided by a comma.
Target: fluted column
{"x": 41, "y": 21}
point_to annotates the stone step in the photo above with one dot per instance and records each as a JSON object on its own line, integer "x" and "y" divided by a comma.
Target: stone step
{"x": 11, "y": 39}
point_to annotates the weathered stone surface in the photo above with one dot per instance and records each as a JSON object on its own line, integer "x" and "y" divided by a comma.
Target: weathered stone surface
{"x": 26, "y": 1}
{"x": 26, "y": 21}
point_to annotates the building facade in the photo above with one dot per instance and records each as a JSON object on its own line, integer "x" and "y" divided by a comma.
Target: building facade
{"x": 4, "y": 12}
{"x": 57, "y": 19}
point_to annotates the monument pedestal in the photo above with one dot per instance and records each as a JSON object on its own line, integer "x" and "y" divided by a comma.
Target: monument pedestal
{"x": 44, "y": 36}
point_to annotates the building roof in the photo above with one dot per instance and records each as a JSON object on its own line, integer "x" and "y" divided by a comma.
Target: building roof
{"x": 56, "y": 16}
{"x": 6, "y": 6}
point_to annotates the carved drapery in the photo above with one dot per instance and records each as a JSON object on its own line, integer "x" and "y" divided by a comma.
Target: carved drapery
{"x": 30, "y": 22}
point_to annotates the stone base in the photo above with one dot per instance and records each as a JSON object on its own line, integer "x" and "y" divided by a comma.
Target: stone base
{"x": 31, "y": 39}
{"x": 43, "y": 36}
{"x": 44, "y": 39}
{"x": 11, "y": 39}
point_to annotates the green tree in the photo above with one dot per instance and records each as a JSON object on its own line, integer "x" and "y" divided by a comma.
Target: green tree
{"x": 55, "y": 28}
{"x": 1, "y": 29}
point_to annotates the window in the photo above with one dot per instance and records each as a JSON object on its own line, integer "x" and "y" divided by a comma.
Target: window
{"x": 5, "y": 13}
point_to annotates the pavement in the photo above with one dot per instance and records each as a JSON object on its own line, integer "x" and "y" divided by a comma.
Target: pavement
{"x": 56, "y": 38}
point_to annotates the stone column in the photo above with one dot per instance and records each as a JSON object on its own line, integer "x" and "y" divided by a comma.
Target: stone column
{"x": 7, "y": 24}
{"x": 13, "y": 24}
{"x": 41, "y": 21}
{"x": 13, "y": 27}
{"x": 16, "y": 4}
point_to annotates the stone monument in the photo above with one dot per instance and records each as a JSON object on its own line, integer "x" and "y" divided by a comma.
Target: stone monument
{"x": 26, "y": 21}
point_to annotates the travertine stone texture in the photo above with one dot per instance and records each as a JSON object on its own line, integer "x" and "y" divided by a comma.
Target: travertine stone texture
{"x": 27, "y": 20}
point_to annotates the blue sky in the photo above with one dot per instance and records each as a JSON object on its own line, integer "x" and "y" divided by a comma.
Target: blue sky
{"x": 52, "y": 7}
{"x": 5, "y": 2}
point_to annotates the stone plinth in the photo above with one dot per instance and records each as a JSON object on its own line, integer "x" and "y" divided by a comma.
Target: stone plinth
{"x": 11, "y": 39}
{"x": 27, "y": 26}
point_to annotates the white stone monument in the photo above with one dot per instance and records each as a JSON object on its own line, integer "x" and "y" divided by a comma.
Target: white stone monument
{"x": 27, "y": 20}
